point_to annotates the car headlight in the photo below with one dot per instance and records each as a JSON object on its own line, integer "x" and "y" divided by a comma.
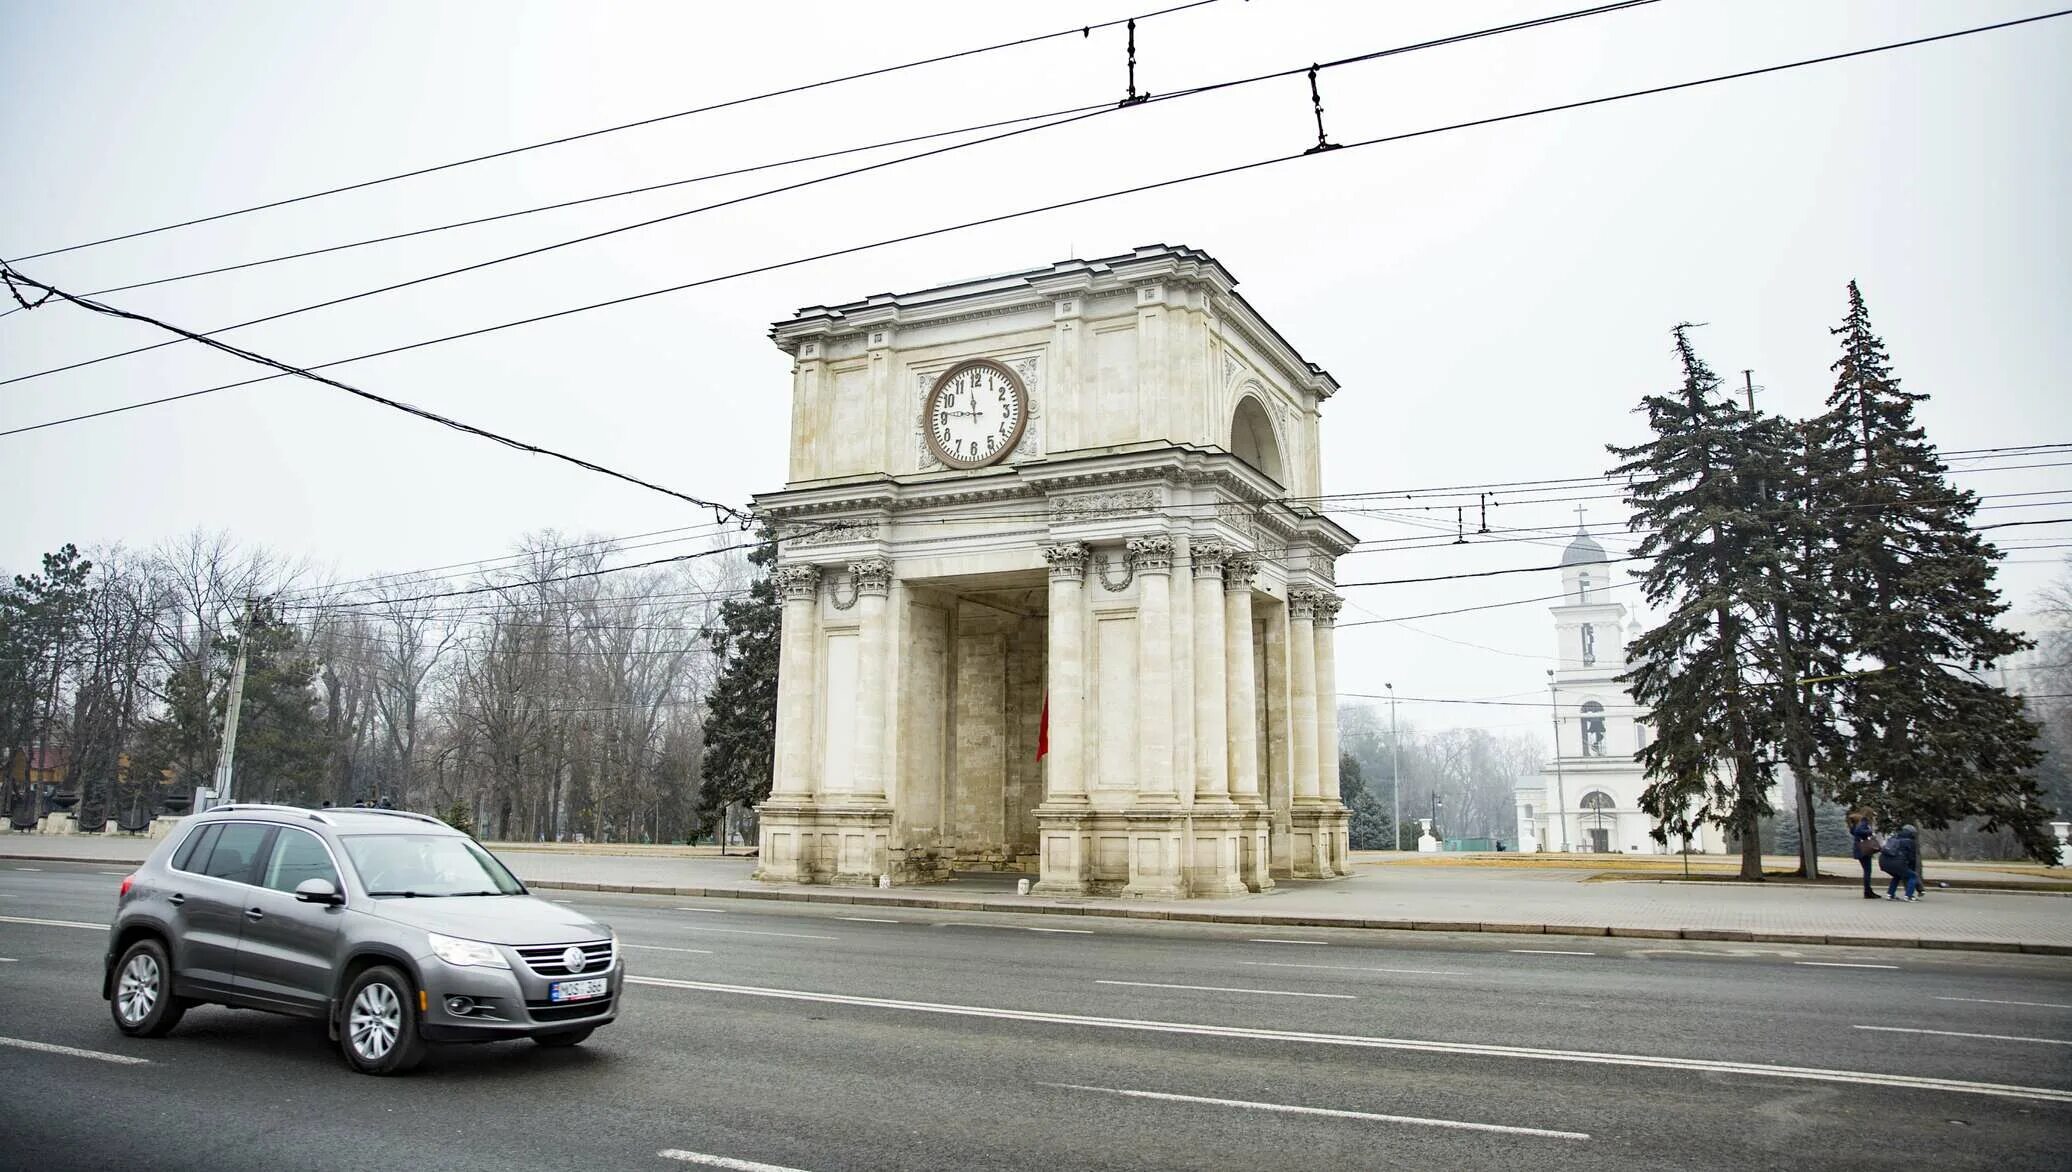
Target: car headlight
{"x": 467, "y": 952}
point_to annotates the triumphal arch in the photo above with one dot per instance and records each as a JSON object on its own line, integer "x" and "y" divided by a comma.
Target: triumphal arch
{"x": 1057, "y": 595}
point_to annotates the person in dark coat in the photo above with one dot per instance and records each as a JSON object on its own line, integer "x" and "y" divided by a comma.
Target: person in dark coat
{"x": 1863, "y": 842}
{"x": 1901, "y": 859}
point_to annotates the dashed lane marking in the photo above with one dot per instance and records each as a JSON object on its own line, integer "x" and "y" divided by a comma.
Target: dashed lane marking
{"x": 28, "y": 868}
{"x": 1876, "y": 1080}
{"x": 868, "y": 920}
{"x": 1839, "y": 964}
{"x": 53, "y": 923}
{"x": 1329, "y": 1112}
{"x": 7, "y": 960}
{"x": 710, "y": 911}
{"x": 666, "y": 948}
{"x": 1228, "y": 989}
{"x": 74, "y": 1052}
{"x": 1960, "y": 1034}
{"x": 564, "y": 901}
{"x": 753, "y": 932}
{"x": 1990, "y": 1001}
{"x": 1272, "y": 940}
{"x": 1066, "y": 931}
{"x": 710, "y": 1161}
{"x": 1552, "y": 952}
{"x": 1353, "y": 968}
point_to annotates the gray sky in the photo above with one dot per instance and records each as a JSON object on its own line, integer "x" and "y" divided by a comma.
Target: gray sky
{"x": 1494, "y": 301}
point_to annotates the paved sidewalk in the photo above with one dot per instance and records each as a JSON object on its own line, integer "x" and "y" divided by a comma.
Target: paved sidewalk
{"x": 1382, "y": 895}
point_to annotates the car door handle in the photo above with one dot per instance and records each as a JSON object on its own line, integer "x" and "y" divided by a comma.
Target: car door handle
{"x": 176, "y": 899}
{"x": 252, "y": 913}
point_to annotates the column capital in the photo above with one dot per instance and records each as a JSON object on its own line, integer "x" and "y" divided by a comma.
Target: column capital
{"x": 1067, "y": 561}
{"x": 1208, "y": 558}
{"x": 1302, "y": 606}
{"x": 1239, "y": 570}
{"x": 1327, "y": 606}
{"x": 872, "y": 575}
{"x": 797, "y": 581}
{"x": 1152, "y": 554}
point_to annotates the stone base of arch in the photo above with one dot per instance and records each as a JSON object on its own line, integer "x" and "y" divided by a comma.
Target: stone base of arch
{"x": 1319, "y": 841}
{"x": 803, "y": 842}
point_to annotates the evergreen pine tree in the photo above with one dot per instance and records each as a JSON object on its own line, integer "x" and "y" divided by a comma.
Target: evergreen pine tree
{"x": 1698, "y": 489}
{"x": 1921, "y": 738}
{"x": 741, "y": 725}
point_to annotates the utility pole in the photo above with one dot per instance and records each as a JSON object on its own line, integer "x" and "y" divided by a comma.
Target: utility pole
{"x": 1560, "y": 802}
{"x": 226, "y": 753}
{"x": 1395, "y": 777}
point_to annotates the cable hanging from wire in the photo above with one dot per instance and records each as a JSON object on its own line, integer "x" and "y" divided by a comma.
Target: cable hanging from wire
{"x": 1060, "y": 205}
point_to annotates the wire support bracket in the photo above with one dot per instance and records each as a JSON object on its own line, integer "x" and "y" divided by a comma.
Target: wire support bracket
{"x": 1316, "y": 102}
{"x": 1133, "y": 98}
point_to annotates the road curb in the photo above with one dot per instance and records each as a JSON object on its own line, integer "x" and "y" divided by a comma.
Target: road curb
{"x": 1267, "y": 919}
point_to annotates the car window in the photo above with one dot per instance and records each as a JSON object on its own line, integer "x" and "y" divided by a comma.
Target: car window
{"x": 427, "y": 865}
{"x": 196, "y": 847}
{"x": 236, "y": 848}
{"x": 298, "y": 855}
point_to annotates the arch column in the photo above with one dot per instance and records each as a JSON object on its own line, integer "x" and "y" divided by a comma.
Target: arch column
{"x": 873, "y": 578}
{"x": 1337, "y": 822}
{"x": 1310, "y": 851}
{"x": 1156, "y": 837}
{"x": 1241, "y": 720}
{"x": 787, "y": 845}
{"x": 1066, "y": 858}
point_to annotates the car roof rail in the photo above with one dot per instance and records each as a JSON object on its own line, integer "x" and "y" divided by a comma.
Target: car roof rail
{"x": 391, "y": 813}
{"x": 273, "y": 807}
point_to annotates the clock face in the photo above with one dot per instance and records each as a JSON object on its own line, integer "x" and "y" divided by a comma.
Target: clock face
{"x": 974, "y": 414}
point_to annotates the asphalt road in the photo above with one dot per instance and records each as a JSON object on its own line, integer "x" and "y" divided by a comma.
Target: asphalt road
{"x": 821, "y": 1037}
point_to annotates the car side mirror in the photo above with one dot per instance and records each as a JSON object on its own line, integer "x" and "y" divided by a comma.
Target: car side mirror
{"x": 318, "y": 891}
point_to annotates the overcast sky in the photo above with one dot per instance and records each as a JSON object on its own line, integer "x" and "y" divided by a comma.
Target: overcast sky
{"x": 1493, "y": 301}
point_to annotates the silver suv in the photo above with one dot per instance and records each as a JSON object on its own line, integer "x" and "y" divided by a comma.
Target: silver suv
{"x": 394, "y": 928}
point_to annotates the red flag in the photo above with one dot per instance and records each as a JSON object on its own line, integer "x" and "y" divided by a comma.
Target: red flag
{"x": 1043, "y": 730}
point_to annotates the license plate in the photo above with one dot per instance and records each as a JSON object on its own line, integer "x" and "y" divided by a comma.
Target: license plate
{"x": 577, "y": 990}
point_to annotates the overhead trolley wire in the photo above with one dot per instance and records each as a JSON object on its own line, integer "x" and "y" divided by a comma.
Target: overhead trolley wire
{"x": 1078, "y": 114}
{"x": 1061, "y": 205}
{"x": 1079, "y": 30}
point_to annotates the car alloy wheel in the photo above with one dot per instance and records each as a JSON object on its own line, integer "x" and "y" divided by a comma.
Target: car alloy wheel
{"x": 138, "y": 991}
{"x": 376, "y": 1020}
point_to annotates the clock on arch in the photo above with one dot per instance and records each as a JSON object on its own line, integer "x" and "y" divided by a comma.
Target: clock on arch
{"x": 975, "y": 413}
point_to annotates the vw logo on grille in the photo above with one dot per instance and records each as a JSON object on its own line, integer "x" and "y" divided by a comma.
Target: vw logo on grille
{"x": 574, "y": 960}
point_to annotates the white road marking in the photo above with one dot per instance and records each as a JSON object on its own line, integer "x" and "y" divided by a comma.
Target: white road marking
{"x": 1270, "y": 940}
{"x": 753, "y": 932}
{"x": 665, "y": 948}
{"x": 53, "y": 923}
{"x": 564, "y": 901}
{"x": 28, "y": 868}
{"x": 1292, "y": 1109}
{"x": 1959, "y": 1034}
{"x": 1552, "y": 952}
{"x": 75, "y": 1052}
{"x": 1067, "y": 931}
{"x": 1227, "y": 989}
{"x": 1836, "y": 964}
{"x": 710, "y": 911}
{"x": 1352, "y": 968}
{"x": 868, "y": 920}
{"x": 1990, "y": 1001}
{"x": 7, "y": 960}
{"x": 1877, "y": 1080}
{"x": 721, "y": 1161}
{"x": 112, "y": 872}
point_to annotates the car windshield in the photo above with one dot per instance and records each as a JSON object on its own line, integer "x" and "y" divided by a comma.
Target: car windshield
{"x": 426, "y": 866}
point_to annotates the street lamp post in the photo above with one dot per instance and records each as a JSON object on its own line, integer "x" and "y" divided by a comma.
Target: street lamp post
{"x": 1436, "y": 803}
{"x": 1554, "y": 705}
{"x": 1395, "y": 777}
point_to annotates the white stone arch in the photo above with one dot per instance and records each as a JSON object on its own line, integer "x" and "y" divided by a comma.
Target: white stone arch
{"x": 1598, "y": 818}
{"x": 1255, "y": 438}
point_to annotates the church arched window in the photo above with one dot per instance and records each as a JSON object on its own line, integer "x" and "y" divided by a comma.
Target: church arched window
{"x": 1593, "y": 729}
{"x": 1252, "y": 440}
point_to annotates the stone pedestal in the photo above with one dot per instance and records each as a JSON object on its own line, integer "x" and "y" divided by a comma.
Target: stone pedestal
{"x": 1066, "y": 863}
{"x": 1312, "y": 829}
{"x": 846, "y": 845}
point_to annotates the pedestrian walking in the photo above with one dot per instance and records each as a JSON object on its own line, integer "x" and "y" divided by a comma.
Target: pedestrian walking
{"x": 1901, "y": 859}
{"x": 1864, "y": 842}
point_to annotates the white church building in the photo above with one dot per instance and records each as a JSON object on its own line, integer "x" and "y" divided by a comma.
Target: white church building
{"x": 1587, "y": 797}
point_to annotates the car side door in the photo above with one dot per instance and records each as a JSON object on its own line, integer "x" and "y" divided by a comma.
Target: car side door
{"x": 288, "y": 951}
{"x": 209, "y": 895}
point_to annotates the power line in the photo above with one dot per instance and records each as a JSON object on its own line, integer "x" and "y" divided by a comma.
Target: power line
{"x": 1082, "y": 30}
{"x": 718, "y": 510}
{"x": 1063, "y": 204}
{"x": 1081, "y": 114}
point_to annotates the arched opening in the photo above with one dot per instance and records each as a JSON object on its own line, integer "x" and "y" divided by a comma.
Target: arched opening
{"x": 1593, "y": 729}
{"x": 1252, "y": 440}
{"x": 1597, "y": 807}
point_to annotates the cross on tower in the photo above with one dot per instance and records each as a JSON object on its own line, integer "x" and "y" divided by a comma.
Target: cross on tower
{"x": 1579, "y": 518}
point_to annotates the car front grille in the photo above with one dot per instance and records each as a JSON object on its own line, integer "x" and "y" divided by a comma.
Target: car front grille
{"x": 545, "y": 1011}
{"x": 547, "y": 959}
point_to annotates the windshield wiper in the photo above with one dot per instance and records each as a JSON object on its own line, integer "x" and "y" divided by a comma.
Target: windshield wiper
{"x": 404, "y": 894}
{"x": 464, "y": 894}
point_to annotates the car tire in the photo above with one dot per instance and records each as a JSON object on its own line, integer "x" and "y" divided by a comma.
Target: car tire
{"x": 563, "y": 1039}
{"x": 378, "y": 1027}
{"x": 142, "y": 1000}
